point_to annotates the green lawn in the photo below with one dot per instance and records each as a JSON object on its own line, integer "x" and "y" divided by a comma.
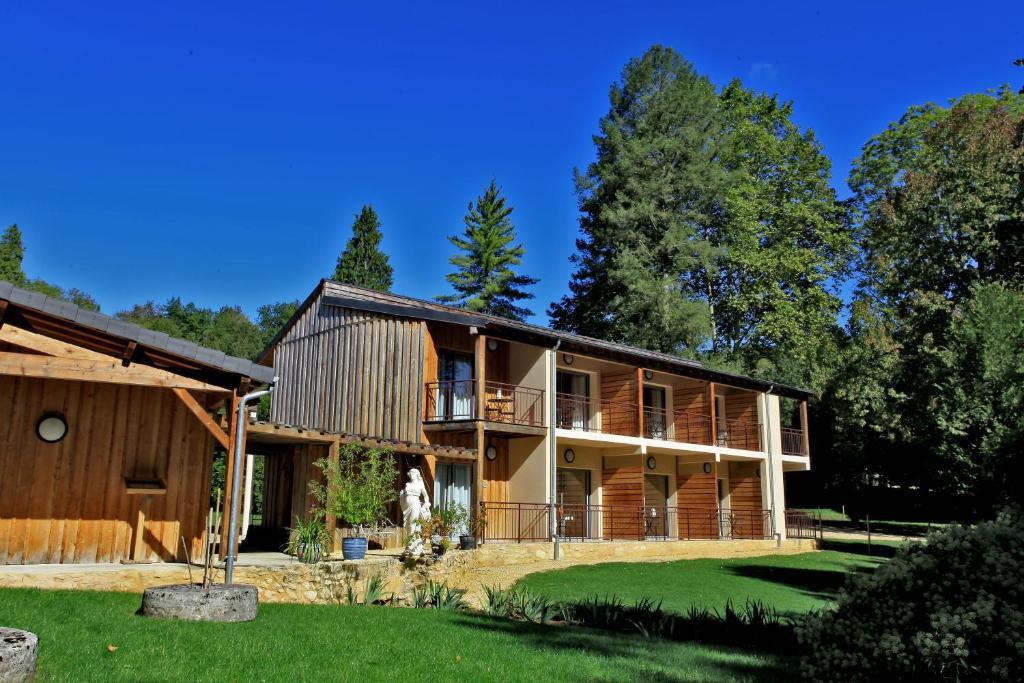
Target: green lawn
{"x": 791, "y": 583}
{"x": 319, "y": 643}
{"x": 300, "y": 643}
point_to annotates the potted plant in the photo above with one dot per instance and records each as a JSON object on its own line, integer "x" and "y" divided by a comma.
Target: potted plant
{"x": 309, "y": 541}
{"x": 438, "y": 530}
{"x": 357, "y": 488}
{"x": 475, "y": 525}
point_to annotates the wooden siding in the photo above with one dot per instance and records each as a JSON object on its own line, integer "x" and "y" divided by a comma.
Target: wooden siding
{"x": 696, "y": 491}
{"x": 352, "y": 372}
{"x": 745, "y": 498}
{"x": 620, "y": 387}
{"x": 67, "y": 502}
{"x": 622, "y": 488}
{"x": 497, "y": 363}
{"x": 496, "y": 473}
{"x": 740, "y": 404}
{"x": 286, "y": 480}
{"x": 691, "y": 397}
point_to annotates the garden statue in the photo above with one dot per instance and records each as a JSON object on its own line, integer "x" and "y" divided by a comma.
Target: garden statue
{"x": 415, "y": 509}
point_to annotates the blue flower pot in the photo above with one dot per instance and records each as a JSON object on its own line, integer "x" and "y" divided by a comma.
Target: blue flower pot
{"x": 353, "y": 548}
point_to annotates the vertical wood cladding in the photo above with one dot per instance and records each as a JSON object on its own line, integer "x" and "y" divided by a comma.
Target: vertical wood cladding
{"x": 67, "y": 501}
{"x": 745, "y": 499}
{"x": 496, "y": 473}
{"x": 620, "y": 388}
{"x": 697, "y": 492}
{"x": 622, "y": 498}
{"x": 354, "y": 372}
{"x": 691, "y": 402}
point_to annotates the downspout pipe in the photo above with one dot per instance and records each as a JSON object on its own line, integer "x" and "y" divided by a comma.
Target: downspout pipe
{"x": 553, "y": 447}
{"x": 771, "y": 468}
{"x": 236, "y": 478}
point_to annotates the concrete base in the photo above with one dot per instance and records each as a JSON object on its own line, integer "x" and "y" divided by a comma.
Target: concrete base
{"x": 192, "y": 602}
{"x": 18, "y": 652}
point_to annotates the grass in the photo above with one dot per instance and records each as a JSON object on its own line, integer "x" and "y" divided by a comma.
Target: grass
{"x": 791, "y": 583}
{"x": 314, "y": 643}
{"x": 836, "y": 518}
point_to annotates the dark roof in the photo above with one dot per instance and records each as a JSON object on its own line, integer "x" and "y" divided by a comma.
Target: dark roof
{"x": 39, "y": 310}
{"x": 349, "y": 296}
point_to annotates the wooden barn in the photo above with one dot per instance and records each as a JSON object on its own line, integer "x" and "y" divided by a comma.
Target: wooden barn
{"x": 108, "y": 434}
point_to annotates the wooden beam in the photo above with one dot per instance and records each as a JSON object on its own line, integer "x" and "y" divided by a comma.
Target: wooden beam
{"x": 107, "y": 371}
{"x": 805, "y": 428}
{"x": 204, "y": 417}
{"x": 3, "y": 312}
{"x": 481, "y": 410}
{"x": 714, "y": 421}
{"x": 640, "y": 401}
{"x": 129, "y": 352}
{"x": 47, "y": 345}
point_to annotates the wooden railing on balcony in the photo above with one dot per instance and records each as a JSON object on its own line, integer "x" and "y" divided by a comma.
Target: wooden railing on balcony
{"x": 793, "y": 442}
{"x": 607, "y": 417}
{"x": 738, "y": 434}
{"x": 513, "y": 404}
{"x": 450, "y": 400}
{"x": 529, "y": 522}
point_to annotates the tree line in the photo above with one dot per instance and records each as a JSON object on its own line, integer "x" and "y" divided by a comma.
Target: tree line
{"x": 709, "y": 228}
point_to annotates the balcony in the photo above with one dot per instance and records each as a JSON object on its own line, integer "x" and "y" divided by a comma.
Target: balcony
{"x": 456, "y": 400}
{"x": 793, "y": 442}
{"x": 738, "y": 434}
{"x": 521, "y": 522}
{"x": 590, "y": 415}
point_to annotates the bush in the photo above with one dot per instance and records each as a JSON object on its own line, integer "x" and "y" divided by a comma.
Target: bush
{"x": 358, "y": 487}
{"x": 948, "y": 610}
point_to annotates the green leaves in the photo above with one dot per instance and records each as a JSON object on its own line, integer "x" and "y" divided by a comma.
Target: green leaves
{"x": 485, "y": 279}
{"x": 362, "y": 263}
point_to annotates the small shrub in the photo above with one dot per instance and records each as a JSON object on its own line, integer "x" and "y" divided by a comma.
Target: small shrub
{"x": 948, "y": 610}
{"x": 439, "y": 596}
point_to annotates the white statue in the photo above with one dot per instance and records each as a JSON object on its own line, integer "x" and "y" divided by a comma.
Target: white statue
{"x": 415, "y": 509}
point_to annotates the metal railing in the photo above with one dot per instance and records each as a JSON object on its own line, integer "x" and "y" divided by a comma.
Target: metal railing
{"x": 529, "y": 522}
{"x": 690, "y": 427}
{"x": 450, "y": 400}
{"x": 738, "y": 434}
{"x": 513, "y": 404}
{"x": 802, "y": 525}
{"x": 606, "y": 417}
{"x": 656, "y": 423}
{"x": 793, "y": 441}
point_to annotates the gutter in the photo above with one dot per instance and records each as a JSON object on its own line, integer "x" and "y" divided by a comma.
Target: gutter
{"x": 236, "y": 478}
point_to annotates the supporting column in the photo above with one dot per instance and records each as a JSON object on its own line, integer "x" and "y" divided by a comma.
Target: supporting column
{"x": 232, "y": 458}
{"x": 773, "y": 491}
{"x": 481, "y": 414}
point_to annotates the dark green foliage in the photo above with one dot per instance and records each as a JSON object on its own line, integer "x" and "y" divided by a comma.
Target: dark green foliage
{"x": 485, "y": 280}
{"x": 362, "y": 263}
{"x": 948, "y": 610}
{"x": 438, "y": 596}
{"x": 12, "y": 254}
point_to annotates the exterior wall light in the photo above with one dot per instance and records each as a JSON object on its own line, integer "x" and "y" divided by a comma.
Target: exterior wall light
{"x": 567, "y": 358}
{"x": 569, "y": 455}
{"x": 707, "y": 468}
{"x": 651, "y": 462}
{"x": 491, "y": 452}
{"x": 648, "y": 374}
{"x": 52, "y": 428}
{"x": 492, "y": 344}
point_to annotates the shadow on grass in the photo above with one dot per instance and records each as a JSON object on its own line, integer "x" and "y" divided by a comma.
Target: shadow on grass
{"x": 878, "y": 550}
{"x": 660, "y": 657}
{"x": 823, "y": 584}
{"x": 911, "y": 529}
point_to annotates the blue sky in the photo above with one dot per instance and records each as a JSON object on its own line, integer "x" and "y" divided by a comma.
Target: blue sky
{"x": 219, "y": 152}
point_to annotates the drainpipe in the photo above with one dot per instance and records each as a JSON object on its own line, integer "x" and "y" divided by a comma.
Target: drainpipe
{"x": 771, "y": 468}
{"x": 553, "y": 447}
{"x": 236, "y": 478}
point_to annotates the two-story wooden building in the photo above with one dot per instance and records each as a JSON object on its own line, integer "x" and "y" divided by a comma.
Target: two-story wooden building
{"x": 628, "y": 443}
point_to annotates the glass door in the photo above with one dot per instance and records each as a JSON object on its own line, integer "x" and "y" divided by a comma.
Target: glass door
{"x": 573, "y": 498}
{"x": 452, "y": 486}
{"x": 656, "y": 505}
{"x": 655, "y": 422}
{"x": 454, "y": 386}
{"x": 573, "y": 400}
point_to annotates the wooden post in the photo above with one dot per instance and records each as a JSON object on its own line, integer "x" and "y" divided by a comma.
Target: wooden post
{"x": 804, "y": 428}
{"x": 714, "y": 421}
{"x": 333, "y": 454}
{"x": 225, "y": 526}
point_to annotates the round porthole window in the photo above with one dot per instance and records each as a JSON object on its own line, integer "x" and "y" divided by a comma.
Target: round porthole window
{"x": 52, "y": 428}
{"x": 707, "y": 468}
{"x": 651, "y": 463}
{"x": 491, "y": 452}
{"x": 569, "y": 455}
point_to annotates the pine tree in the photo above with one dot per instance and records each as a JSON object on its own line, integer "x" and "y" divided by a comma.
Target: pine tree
{"x": 362, "y": 263}
{"x": 12, "y": 253}
{"x": 485, "y": 280}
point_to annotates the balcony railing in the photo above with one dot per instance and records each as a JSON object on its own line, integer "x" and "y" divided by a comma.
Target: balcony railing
{"x": 449, "y": 401}
{"x": 607, "y": 417}
{"x": 529, "y": 522}
{"x": 512, "y": 404}
{"x": 793, "y": 441}
{"x": 739, "y": 434}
